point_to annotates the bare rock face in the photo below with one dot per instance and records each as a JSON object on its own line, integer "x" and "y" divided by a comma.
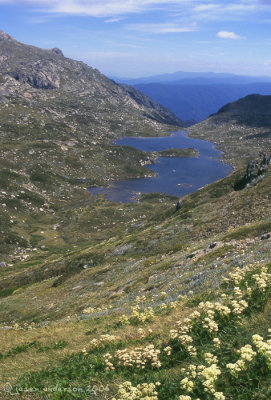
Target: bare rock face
{"x": 41, "y": 75}
{"x": 45, "y": 95}
{"x": 57, "y": 51}
{"x": 5, "y": 36}
{"x": 31, "y": 68}
{"x": 256, "y": 170}
{"x": 257, "y": 167}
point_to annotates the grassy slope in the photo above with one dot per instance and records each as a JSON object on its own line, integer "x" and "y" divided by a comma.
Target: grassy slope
{"x": 157, "y": 251}
{"x": 240, "y": 129}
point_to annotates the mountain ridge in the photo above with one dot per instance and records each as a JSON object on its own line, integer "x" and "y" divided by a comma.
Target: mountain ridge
{"x": 194, "y": 77}
{"x": 49, "y": 69}
{"x": 192, "y": 102}
{"x": 246, "y": 121}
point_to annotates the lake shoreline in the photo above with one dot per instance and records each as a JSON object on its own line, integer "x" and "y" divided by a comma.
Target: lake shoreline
{"x": 182, "y": 165}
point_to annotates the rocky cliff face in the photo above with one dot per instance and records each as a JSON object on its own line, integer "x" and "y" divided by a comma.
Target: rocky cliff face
{"x": 24, "y": 68}
{"x": 255, "y": 171}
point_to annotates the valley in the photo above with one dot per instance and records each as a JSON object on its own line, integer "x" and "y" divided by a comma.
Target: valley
{"x": 180, "y": 166}
{"x": 133, "y": 300}
{"x": 193, "y": 97}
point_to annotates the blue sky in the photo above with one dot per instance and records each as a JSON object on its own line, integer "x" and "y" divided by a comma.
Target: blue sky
{"x": 132, "y": 38}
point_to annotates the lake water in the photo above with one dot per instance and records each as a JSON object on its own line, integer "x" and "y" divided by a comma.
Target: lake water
{"x": 176, "y": 176}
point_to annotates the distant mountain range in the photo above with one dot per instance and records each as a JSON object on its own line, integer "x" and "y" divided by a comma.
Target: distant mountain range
{"x": 194, "y": 96}
{"x": 199, "y": 78}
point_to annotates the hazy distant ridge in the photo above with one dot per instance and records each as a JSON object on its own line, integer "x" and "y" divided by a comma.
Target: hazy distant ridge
{"x": 194, "y": 96}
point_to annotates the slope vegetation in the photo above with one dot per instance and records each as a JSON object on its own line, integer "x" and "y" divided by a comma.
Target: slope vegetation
{"x": 240, "y": 129}
{"x": 107, "y": 313}
{"x": 135, "y": 301}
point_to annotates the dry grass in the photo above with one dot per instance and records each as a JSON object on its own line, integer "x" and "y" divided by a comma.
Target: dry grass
{"x": 75, "y": 334}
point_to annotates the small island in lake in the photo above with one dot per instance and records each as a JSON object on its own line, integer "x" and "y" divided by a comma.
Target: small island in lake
{"x": 189, "y": 152}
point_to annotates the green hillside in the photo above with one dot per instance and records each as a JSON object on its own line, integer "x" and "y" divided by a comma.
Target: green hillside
{"x": 103, "y": 300}
{"x": 241, "y": 129}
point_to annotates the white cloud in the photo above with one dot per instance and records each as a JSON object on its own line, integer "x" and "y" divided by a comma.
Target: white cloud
{"x": 111, "y": 8}
{"x": 206, "y": 7}
{"x": 34, "y": 2}
{"x": 97, "y": 8}
{"x": 112, "y": 20}
{"x": 229, "y": 35}
{"x": 233, "y": 11}
{"x": 162, "y": 28}
{"x": 267, "y": 64}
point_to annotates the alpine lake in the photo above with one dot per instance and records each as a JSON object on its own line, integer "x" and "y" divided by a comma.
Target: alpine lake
{"x": 175, "y": 175}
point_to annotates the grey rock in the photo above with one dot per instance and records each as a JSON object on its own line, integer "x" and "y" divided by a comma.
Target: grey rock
{"x": 266, "y": 236}
{"x": 5, "y": 36}
{"x": 255, "y": 170}
{"x": 192, "y": 255}
{"x": 120, "y": 250}
{"x": 212, "y": 245}
{"x": 3, "y": 264}
{"x": 250, "y": 241}
{"x": 42, "y": 74}
{"x": 57, "y": 51}
{"x": 99, "y": 284}
{"x": 76, "y": 287}
{"x": 197, "y": 253}
{"x": 178, "y": 205}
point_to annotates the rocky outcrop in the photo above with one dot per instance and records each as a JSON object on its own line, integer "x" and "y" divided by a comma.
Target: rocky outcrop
{"x": 255, "y": 170}
{"x": 41, "y": 75}
{"x": 57, "y": 51}
{"x": 5, "y": 37}
{"x": 257, "y": 167}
